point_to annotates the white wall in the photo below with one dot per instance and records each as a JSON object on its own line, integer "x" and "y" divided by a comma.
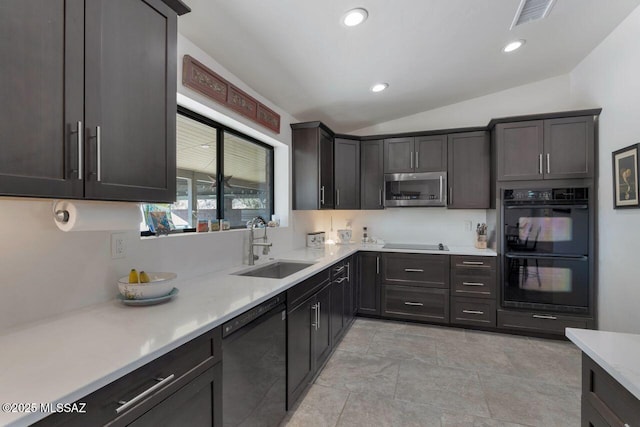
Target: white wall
{"x": 544, "y": 96}
{"x": 609, "y": 77}
{"x": 45, "y": 272}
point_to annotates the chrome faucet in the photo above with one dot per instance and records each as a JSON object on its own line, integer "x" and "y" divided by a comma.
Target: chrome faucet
{"x": 257, "y": 221}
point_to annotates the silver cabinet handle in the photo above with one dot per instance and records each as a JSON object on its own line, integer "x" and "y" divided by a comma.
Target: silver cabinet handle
{"x": 548, "y": 163}
{"x": 314, "y": 307}
{"x": 127, "y": 404}
{"x": 473, "y": 312}
{"x": 543, "y": 316}
{"x": 338, "y": 270}
{"x": 411, "y": 160}
{"x": 472, "y": 284}
{"x": 414, "y": 270}
{"x": 340, "y": 280}
{"x": 377, "y": 265}
{"x": 473, "y": 262}
{"x": 348, "y": 271}
{"x": 80, "y": 141}
{"x": 417, "y": 160}
{"x": 337, "y": 197}
{"x": 318, "y": 314}
{"x": 380, "y": 195}
{"x": 540, "y": 164}
{"x": 99, "y": 153}
{"x": 450, "y": 201}
{"x": 417, "y": 304}
{"x": 322, "y": 195}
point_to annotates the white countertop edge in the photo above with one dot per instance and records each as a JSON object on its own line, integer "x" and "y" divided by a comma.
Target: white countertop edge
{"x": 617, "y": 353}
{"x": 324, "y": 260}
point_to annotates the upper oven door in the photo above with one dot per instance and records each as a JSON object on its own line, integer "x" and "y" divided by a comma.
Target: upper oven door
{"x": 415, "y": 189}
{"x": 546, "y": 229}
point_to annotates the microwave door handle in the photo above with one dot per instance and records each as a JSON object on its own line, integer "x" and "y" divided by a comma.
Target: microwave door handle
{"x": 441, "y": 183}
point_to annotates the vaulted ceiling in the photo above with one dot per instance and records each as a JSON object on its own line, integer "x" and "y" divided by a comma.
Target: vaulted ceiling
{"x": 431, "y": 52}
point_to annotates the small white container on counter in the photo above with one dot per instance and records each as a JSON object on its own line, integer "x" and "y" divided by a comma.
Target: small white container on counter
{"x": 316, "y": 239}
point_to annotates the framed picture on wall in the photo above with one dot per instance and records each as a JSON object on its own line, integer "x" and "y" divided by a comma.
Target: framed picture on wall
{"x": 625, "y": 177}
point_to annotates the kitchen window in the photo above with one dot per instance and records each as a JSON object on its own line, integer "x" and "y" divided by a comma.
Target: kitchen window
{"x": 221, "y": 174}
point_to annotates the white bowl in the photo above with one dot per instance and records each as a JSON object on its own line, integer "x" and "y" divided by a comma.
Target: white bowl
{"x": 160, "y": 285}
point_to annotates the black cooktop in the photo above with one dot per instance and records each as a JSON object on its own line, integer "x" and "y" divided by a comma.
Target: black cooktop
{"x": 416, "y": 246}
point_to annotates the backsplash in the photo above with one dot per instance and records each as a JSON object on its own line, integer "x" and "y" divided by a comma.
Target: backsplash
{"x": 403, "y": 225}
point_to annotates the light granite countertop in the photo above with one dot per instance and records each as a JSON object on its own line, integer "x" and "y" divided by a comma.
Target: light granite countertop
{"x": 62, "y": 359}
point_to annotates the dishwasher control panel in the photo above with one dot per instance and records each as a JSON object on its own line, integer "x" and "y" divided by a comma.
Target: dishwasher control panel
{"x": 249, "y": 316}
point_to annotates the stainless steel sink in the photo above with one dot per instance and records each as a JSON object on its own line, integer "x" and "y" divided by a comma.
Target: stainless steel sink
{"x": 276, "y": 270}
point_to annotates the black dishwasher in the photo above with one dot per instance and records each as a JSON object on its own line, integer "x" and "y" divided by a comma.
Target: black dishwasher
{"x": 254, "y": 366}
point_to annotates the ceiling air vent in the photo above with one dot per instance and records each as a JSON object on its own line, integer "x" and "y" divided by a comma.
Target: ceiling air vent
{"x": 531, "y": 10}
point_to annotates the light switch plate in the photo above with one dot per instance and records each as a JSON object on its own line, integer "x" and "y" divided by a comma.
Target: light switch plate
{"x": 467, "y": 225}
{"x": 118, "y": 245}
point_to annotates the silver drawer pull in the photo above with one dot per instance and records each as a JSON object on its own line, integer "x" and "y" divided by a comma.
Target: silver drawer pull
{"x": 541, "y": 316}
{"x": 417, "y": 304}
{"x": 473, "y": 262}
{"x": 472, "y": 284}
{"x": 127, "y": 404}
{"x": 338, "y": 270}
{"x": 414, "y": 270}
{"x": 340, "y": 280}
{"x": 473, "y": 312}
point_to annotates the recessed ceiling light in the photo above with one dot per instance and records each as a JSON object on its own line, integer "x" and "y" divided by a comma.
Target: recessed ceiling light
{"x": 510, "y": 47}
{"x": 205, "y": 146}
{"x": 355, "y": 17}
{"x": 379, "y": 87}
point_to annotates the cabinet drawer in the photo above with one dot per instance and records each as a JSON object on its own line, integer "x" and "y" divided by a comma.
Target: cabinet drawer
{"x": 304, "y": 290}
{"x": 473, "y": 311}
{"x": 185, "y": 362}
{"x": 539, "y": 322}
{"x": 472, "y": 264}
{"x": 417, "y": 303}
{"x": 416, "y": 270}
{"x": 608, "y": 397}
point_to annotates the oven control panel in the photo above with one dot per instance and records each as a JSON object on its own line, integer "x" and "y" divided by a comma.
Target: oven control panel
{"x": 543, "y": 195}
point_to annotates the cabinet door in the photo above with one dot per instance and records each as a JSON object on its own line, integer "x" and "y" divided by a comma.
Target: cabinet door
{"x": 347, "y": 173}
{"x": 130, "y": 100}
{"x": 326, "y": 171}
{"x": 368, "y": 283}
{"x": 300, "y": 330}
{"x": 371, "y": 174}
{"x": 322, "y": 338}
{"x": 42, "y": 97}
{"x": 338, "y": 295}
{"x": 520, "y": 147}
{"x": 568, "y": 148}
{"x": 196, "y": 404}
{"x": 431, "y": 153}
{"x": 469, "y": 171}
{"x": 398, "y": 155}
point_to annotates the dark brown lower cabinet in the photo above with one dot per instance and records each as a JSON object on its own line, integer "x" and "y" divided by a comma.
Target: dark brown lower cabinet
{"x": 545, "y": 323}
{"x": 605, "y": 402}
{"x": 473, "y": 311}
{"x": 187, "y": 390}
{"x": 309, "y": 342}
{"x": 369, "y": 283}
{"x": 416, "y": 303}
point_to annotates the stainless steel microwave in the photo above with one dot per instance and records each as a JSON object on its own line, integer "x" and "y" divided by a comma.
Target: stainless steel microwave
{"x": 415, "y": 189}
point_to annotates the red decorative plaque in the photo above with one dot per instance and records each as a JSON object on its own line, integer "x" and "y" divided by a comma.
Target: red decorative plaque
{"x": 198, "y": 77}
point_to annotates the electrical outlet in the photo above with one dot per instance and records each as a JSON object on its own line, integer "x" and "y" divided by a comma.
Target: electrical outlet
{"x": 118, "y": 245}
{"x": 468, "y": 225}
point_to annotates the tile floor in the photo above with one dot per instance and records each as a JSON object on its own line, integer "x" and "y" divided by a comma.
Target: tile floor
{"x": 387, "y": 373}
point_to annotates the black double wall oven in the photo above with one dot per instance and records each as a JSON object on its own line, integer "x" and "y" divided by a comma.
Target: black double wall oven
{"x": 546, "y": 249}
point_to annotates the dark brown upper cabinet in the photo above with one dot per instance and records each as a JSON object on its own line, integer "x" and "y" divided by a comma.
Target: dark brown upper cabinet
{"x": 545, "y": 149}
{"x": 415, "y": 154}
{"x": 371, "y": 174}
{"x": 469, "y": 170}
{"x": 347, "y": 173}
{"x": 313, "y": 186}
{"x": 96, "y": 80}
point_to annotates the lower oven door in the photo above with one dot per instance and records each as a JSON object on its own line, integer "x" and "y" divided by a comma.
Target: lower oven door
{"x": 546, "y": 283}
